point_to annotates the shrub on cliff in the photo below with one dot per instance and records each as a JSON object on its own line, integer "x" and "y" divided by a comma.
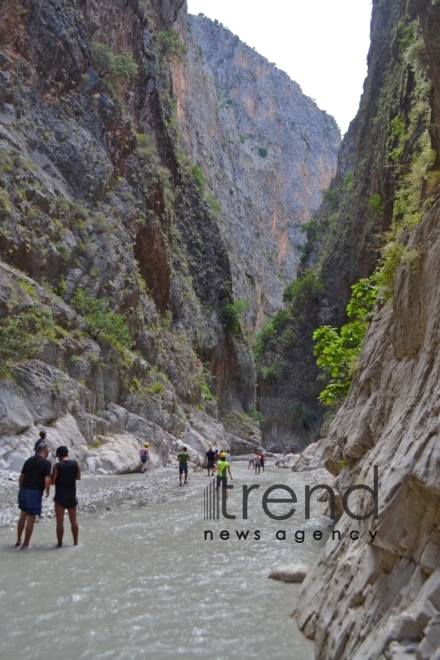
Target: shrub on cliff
{"x": 101, "y": 321}
{"x": 114, "y": 68}
{"x": 337, "y": 350}
{"x": 231, "y": 313}
{"x": 171, "y": 45}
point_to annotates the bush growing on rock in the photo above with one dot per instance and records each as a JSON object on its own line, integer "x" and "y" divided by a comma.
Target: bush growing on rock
{"x": 101, "y": 321}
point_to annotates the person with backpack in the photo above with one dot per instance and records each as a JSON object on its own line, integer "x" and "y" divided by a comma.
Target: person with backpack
{"x": 144, "y": 456}
{"x": 65, "y": 474}
{"x": 33, "y": 481}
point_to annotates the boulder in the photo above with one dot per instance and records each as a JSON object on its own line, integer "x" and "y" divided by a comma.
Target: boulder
{"x": 290, "y": 573}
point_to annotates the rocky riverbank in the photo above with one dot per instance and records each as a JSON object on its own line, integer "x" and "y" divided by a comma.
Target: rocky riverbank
{"x": 98, "y": 492}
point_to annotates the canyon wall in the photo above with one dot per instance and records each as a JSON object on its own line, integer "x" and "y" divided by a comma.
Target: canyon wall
{"x": 114, "y": 272}
{"x": 267, "y": 152}
{"x": 381, "y": 600}
{"x": 347, "y": 233}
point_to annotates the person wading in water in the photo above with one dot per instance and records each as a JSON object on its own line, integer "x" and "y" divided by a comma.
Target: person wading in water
{"x": 33, "y": 480}
{"x": 222, "y": 475}
{"x": 65, "y": 475}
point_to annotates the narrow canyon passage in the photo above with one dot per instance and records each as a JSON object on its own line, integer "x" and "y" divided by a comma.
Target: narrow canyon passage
{"x": 143, "y": 582}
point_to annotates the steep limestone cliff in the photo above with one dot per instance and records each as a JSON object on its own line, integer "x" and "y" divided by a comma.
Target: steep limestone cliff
{"x": 114, "y": 270}
{"x": 267, "y": 152}
{"x": 382, "y": 600}
{"x": 346, "y": 234}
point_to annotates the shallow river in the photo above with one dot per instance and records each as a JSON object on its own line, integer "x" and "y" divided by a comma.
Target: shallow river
{"x": 144, "y": 583}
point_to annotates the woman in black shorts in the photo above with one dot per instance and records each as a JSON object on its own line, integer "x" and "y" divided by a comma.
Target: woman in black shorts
{"x": 65, "y": 475}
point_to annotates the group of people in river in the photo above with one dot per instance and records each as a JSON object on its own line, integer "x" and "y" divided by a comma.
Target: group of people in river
{"x": 256, "y": 461}
{"x": 36, "y": 478}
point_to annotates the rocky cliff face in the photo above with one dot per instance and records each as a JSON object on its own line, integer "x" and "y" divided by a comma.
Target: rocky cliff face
{"x": 114, "y": 270}
{"x": 374, "y": 167}
{"x": 382, "y": 599}
{"x": 267, "y": 152}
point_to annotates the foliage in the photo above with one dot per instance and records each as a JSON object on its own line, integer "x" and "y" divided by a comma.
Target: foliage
{"x": 22, "y": 335}
{"x": 157, "y": 388}
{"x": 307, "y": 286}
{"x": 301, "y": 411}
{"x": 5, "y": 203}
{"x": 199, "y": 177}
{"x": 333, "y": 198}
{"x": 101, "y": 321}
{"x": 258, "y": 416}
{"x": 263, "y": 152}
{"x": 376, "y": 203}
{"x": 337, "y": 350}
{"x": 205, "y": 386}
{"x": 231, "y": 313}
{"x": 267, "y": 331}
{"x": 171, "y": 45}
{"x": 116, "y": 68}
{"x": 313, "y": 229}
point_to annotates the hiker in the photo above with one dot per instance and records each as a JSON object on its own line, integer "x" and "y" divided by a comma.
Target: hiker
{"x": 215, "y": 455}
{"x": 223, "y": 468}
{"x": 257, "y": 463}
{"x": 262, "y": 459}
{"x": 251, "y": 459}
{"x": 210, "y": 456}
{"x": 228, "y": 455}
{"x": 65, "y": 474}
{"x": 33, "y": 481}
{"x": 144, "y": 455}
{"x": 183, "y": 457}
{"x": 41, "y": 439}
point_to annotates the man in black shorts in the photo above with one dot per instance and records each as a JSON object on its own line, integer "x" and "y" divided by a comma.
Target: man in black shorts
{"x": 65, "y": 475}
{"x": 183, "y": 457}
{"x": 210, "y": 456}
{"x": 33, "y": 480}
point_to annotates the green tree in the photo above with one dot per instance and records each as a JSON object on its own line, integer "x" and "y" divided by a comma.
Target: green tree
{"x": 101, "y": 321}
{"x": 171, "y": 45}
{"x": 336, "y": 351}
{"x": 115, "y": 68}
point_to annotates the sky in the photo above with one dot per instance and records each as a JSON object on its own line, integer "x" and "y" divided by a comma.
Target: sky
{"x": 321, "y": 44}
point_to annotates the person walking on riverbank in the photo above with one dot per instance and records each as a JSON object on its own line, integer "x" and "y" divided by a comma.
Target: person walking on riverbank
{"x": 251, "y": 460}
{"x": 183, "y": 457}
{"x": 33, "y": 481}
{"x": 144, "y": 455}
{"x": 228, "y": 455}
{"x": 41, "y": 439}
{"x": 65, "y": 475}
{"x": 222, "y": 474}
{"x": 210, "y": 456}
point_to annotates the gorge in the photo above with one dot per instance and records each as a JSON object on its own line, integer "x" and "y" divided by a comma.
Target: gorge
{"x": 176, "y": 220}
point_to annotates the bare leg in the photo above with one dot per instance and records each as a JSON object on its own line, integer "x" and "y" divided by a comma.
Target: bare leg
{"x": 59, "y": 513}
{"x": 29, "y": 529}
{"x": 73, "y": 524}
{"x": 20, "y": 526}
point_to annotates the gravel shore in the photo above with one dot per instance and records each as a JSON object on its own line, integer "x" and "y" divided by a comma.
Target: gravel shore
{"x": 97, "y": 492}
